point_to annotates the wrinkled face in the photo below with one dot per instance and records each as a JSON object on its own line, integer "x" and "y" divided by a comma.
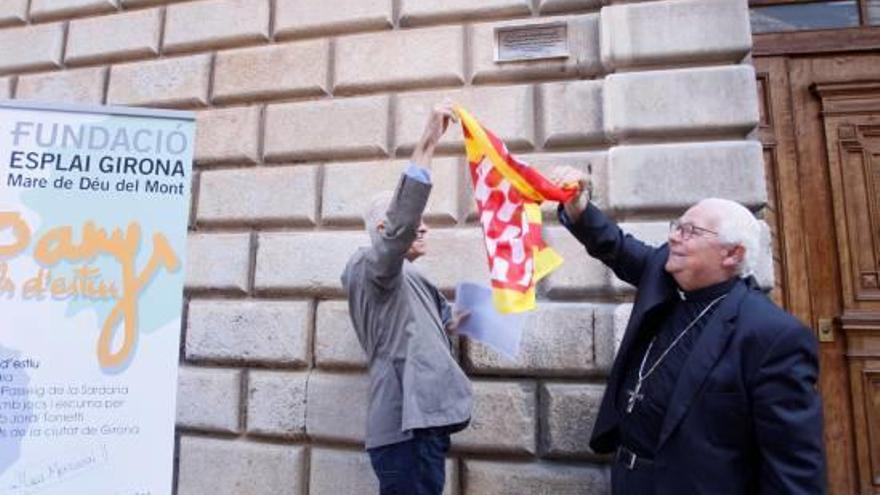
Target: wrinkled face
{"x": 419, "y": 247}
{"x": 697, "y": 257}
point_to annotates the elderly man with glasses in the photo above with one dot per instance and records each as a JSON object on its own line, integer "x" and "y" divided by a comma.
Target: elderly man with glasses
{"x": 418, "y": 394}
{"x": 713, "y": 387}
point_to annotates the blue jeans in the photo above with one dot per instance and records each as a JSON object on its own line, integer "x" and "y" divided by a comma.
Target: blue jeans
{"x": 414, "y": 467}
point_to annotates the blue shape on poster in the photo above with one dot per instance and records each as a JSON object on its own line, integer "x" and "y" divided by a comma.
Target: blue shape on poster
{"x": 17, "y": 379}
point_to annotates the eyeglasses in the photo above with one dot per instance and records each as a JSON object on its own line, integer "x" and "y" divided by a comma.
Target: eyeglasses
{"x": 688, "y": 230}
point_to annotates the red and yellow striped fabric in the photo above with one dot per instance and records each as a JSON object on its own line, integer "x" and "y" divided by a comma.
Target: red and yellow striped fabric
{"x": 508, "y": 193}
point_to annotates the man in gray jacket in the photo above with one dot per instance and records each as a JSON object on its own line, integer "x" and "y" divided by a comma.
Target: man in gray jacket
{"x": 418, "y": 393}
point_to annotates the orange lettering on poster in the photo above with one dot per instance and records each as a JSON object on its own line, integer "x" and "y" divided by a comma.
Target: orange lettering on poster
{"x": 58, "y": 245}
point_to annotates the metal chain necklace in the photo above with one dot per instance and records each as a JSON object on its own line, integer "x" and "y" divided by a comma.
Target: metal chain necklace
{"x": 634, "y": 394}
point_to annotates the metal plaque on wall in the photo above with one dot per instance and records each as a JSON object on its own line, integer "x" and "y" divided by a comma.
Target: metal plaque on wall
{"x": 531, "y": 42}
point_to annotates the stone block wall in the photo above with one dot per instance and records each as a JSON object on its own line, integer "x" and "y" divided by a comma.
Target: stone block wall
{"x": 305, "y": 108}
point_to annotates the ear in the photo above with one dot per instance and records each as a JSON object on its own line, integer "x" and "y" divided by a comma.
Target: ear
{"x": 734, "y": 257}
{"x": 380, "y": 226}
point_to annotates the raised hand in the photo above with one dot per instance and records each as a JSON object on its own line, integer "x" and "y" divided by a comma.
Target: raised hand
{"x": 438, "y": 122}
{"x": 567, "y": 176}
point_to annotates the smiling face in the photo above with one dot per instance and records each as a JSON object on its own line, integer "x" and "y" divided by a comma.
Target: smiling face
{"x": 697, "y": 256}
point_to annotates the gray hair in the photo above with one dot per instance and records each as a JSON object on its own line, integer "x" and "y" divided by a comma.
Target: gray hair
{"x": 737, "y": 226}
{"x": 375, "y": 212}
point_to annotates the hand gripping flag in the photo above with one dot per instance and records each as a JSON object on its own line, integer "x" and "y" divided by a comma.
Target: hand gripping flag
{"x": 508, "y": 194}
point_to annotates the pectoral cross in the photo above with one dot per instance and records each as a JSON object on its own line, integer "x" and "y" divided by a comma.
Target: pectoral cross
{"x": 634, "y": 396}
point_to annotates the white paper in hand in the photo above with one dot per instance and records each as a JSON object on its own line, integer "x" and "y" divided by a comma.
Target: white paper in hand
{"x": 500, "y": 332}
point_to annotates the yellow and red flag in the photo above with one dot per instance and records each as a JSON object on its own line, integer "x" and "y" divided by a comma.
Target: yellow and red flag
{"x": 508, "y": 194}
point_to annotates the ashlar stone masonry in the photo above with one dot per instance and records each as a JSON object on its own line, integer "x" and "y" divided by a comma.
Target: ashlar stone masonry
{"x": 305, "y": 108}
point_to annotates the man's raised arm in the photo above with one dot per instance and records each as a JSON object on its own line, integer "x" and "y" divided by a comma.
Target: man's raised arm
{"x": 393, "y": 234}
{"x": 604, "y": 240}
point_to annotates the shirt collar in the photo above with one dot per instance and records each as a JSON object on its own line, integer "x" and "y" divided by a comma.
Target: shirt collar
{"x": 708, "y": 293}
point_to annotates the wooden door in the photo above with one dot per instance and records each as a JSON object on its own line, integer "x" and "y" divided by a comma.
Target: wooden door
{"x": 851, "y": 118}
{"x": 821, "y": 134}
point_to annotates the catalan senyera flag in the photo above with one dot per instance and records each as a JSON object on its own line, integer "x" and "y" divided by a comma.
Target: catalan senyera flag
{"x": 508, "y": 193}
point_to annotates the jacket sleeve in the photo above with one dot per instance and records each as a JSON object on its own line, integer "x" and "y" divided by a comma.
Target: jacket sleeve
{"x": 386, "y": 256}
{"x": 604, "y": 240}
{"x": 788, "y": 416}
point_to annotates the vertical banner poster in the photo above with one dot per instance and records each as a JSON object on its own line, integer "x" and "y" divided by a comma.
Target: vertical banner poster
{"x": 94, "y": 203}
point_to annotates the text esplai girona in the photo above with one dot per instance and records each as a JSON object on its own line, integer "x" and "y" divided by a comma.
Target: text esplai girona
{"x": 163, "y": 149}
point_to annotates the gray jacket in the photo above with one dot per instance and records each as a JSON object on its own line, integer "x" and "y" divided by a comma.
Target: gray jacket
{"x": 399, "y": 317}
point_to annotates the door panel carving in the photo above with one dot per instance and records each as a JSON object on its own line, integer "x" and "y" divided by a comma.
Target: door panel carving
{"x": 871, "y": 380}
{"x": 852, "y": 128}
{"x": 862, "y": 329}
{"x": 851, "y": 118}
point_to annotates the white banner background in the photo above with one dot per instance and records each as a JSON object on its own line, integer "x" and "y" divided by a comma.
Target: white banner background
{"x": 78, "y": 416}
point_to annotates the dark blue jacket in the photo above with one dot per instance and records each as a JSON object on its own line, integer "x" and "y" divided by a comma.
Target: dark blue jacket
{"x": 745, "y": 416}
